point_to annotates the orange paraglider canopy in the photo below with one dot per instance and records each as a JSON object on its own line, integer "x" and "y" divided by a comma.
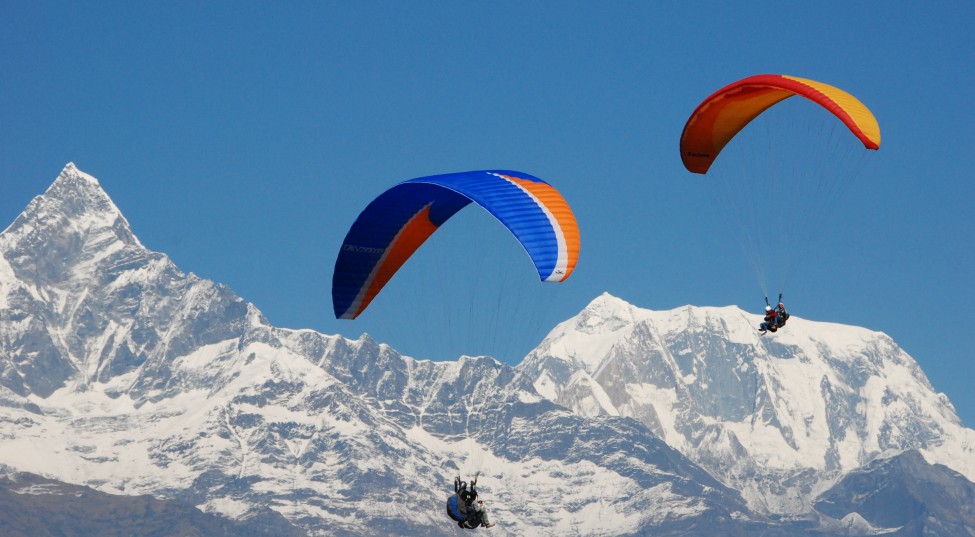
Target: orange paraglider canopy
{"x": 726, "y": 112}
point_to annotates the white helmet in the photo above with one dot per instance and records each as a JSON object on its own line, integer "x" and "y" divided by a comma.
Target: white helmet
{"x": 768, "y": 308}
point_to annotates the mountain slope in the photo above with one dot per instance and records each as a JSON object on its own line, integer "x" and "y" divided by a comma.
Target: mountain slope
{"x": 893, "y": 493}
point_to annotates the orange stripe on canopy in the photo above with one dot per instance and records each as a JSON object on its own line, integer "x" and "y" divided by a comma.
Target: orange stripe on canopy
{"x": 414, "y": 233}
{"x": 727, "y": 111}
{"x": 566, "y": 230}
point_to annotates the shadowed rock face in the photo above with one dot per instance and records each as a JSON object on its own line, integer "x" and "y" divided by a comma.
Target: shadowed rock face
{"x": 32, "y": 506}
{"x": 905, "y": 492}
{"x": 120, "y": 372}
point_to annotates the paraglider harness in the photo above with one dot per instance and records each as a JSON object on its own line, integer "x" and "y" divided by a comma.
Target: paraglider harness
{"x": 460, "y": 506}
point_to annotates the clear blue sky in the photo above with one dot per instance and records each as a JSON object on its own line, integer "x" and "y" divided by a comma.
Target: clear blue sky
{"x": 243, "y": 138}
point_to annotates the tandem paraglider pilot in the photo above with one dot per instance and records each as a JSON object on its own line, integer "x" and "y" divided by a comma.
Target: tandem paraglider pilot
{"x": 771, "y": 322}
{"x": 774, "y": 318}
{"x": 466, "y": 508}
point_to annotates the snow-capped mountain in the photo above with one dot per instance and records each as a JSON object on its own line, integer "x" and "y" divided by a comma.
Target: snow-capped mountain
{"x": 779, "y": 418}
{"x": 121, "y": 373}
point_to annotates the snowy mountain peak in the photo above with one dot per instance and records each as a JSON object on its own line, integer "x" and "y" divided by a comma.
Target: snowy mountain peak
{"x": 814, "y": 399}
{"x": 70, "y": 172}
{"x": 77, "y": 279}
{"x": 605, "y": 311}
{"x": 78, "y": 194}
{"x": 74, "y": 220}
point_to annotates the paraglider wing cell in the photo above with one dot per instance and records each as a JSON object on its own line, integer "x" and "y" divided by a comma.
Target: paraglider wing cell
{"x": 395, "y": 224}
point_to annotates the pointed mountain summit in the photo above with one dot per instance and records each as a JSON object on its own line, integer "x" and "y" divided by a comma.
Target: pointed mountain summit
{"x": 776, "y": 417}
{"x": 89, "y": 301}
{"x": 73, "y": 220}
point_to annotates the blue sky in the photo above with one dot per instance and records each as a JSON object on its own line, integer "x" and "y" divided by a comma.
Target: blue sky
{"x": 243, "y": 138}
